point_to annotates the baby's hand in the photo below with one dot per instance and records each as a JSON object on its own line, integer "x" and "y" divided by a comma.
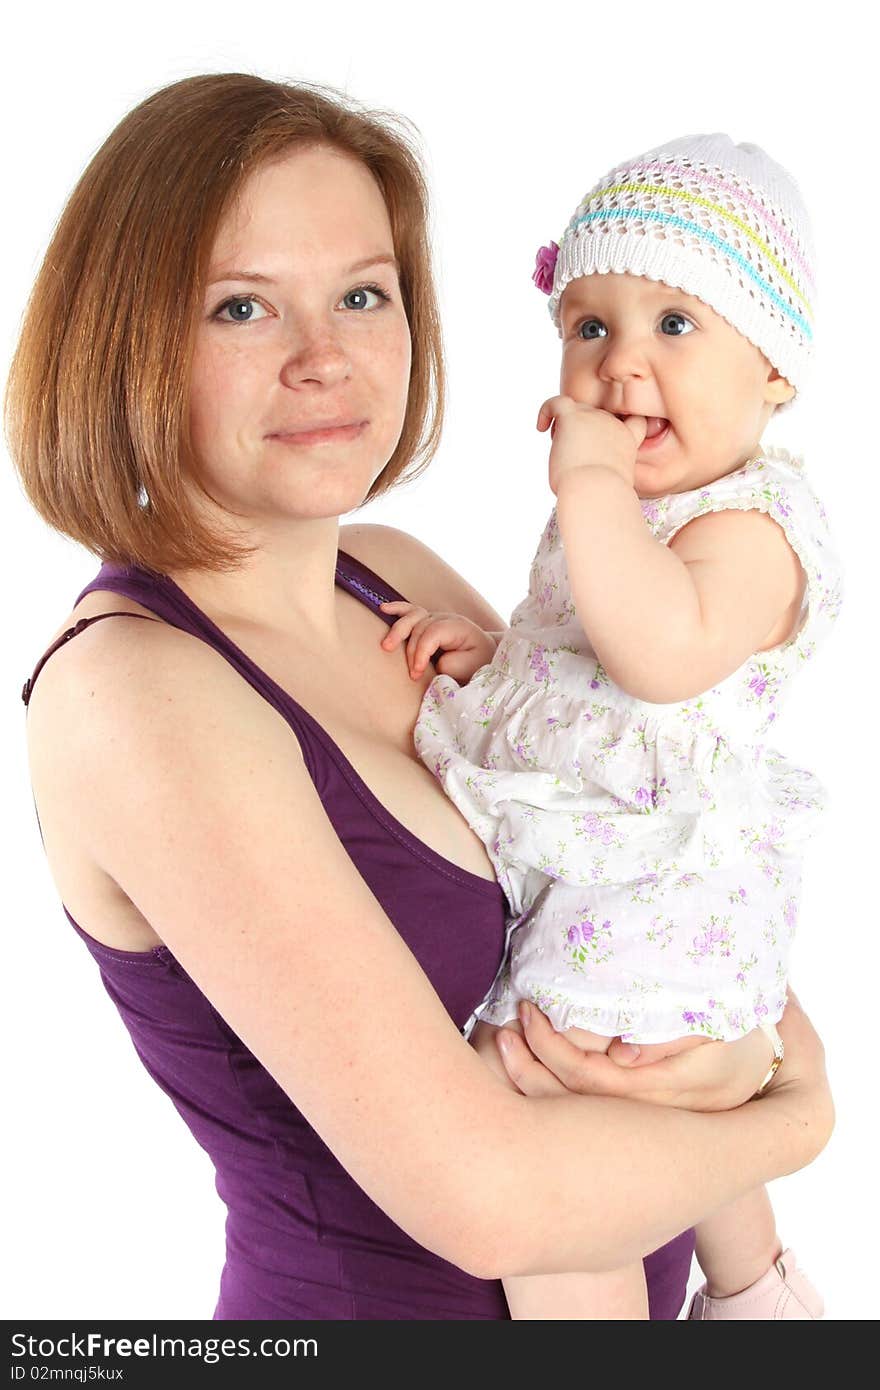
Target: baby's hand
{"x": 465, "y": 646}
{"x": 584, "y": 437}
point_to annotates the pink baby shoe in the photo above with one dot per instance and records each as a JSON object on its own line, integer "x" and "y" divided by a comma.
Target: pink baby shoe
{"x": 783, "y": 1292}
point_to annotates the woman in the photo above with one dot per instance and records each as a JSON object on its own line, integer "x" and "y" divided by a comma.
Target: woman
{"x": 232, "y": 343}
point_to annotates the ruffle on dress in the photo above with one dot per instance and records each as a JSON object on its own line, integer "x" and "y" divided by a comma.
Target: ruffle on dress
{"x": 669, "y": 837}
{"x": 632, "y": 797}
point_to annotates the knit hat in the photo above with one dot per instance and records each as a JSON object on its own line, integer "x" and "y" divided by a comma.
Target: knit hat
{"x": 723, "y": 222}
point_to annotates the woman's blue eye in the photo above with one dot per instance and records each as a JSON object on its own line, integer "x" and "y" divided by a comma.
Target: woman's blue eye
{"x": 360, "y": 297}
{"x": 681, "y": 325}
{"x": 241, "y": 309}
{"x": 592, "y": 328}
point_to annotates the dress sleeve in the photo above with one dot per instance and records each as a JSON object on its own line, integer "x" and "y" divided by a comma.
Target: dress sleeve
{"x": 775, "y": 483}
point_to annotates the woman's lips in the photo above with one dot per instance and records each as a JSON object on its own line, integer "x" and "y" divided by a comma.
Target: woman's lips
{"x": 319, "y": 434}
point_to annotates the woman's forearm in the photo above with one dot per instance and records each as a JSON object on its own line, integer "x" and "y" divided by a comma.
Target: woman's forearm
{"x": 594, "y": 1182}
{"x": 307, "y": 970}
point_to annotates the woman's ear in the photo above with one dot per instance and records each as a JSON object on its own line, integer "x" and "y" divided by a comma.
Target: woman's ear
{"x": 777, "y": 389}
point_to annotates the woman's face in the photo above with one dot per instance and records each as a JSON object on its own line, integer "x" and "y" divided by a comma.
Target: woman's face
{"x": 302, "y": 349}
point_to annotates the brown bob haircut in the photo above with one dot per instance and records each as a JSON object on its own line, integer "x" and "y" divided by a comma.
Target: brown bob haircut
{"x": 97, "y": 402}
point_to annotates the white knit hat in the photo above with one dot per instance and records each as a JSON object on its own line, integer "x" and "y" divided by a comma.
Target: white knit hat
{"x": 720, "y": 221}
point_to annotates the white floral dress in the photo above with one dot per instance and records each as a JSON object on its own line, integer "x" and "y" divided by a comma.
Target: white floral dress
{"x": 669, "y": 837}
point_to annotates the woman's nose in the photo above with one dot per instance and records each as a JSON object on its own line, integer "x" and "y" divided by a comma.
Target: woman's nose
{"x": 316, "y": 357}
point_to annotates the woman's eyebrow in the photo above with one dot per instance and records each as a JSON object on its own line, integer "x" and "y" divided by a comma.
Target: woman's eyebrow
{"x": 236, "y": 274}
{"x": 382, "y": 259}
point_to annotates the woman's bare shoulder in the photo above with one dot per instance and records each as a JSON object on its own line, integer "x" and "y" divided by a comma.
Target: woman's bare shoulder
{"x": 110, "y": 642}
{"x": 194, "y": 807}
{"x": 126, "y": 651}
{"x": 120, "y": 674}
{"x": 417, "y": 572}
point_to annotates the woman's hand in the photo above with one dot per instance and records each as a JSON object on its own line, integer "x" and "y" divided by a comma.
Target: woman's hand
{"x": 716, "y": 1076}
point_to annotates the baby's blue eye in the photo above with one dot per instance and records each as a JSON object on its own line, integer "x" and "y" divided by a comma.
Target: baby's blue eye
{"x": 241, "y": 309}
{"x": 592, "y": 328}
{"x": 680, "y": 325}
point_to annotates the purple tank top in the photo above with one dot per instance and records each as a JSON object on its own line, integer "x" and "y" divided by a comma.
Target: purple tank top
{"x": 302, "y": 1240}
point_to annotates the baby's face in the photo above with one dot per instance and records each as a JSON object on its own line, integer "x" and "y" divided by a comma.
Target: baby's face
{"x": 634, "y": 346}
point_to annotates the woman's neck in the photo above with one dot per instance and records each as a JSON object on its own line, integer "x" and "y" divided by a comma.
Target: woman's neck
{"x": 287, "y": 585}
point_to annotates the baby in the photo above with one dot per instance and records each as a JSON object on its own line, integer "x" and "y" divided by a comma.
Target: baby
{"x": 609, "y": 746}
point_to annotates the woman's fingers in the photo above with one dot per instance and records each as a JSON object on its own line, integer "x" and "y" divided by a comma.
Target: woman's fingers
{"x": 524, "y": 1069}
{"x": 695, "y": 1080}
{"x": 588, "y": 1073}
{"x": 626, "y": 1054}
{"x": 702, "y": 1075}
{"x": 715, "y": 1076}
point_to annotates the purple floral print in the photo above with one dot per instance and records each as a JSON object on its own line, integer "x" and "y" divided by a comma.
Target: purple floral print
{"x": 669, "y": 837}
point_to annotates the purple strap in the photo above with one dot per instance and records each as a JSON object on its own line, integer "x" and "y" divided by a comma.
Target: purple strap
{"x": 66, "y": 636}
{"x": 353, "y": 575}
{"x": 350, "y": 573}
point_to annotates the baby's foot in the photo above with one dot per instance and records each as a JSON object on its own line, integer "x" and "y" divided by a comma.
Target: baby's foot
{"x": 783, "y": 1292}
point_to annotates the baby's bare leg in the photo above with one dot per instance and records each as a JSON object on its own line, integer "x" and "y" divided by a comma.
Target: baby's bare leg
{"x": 738, "y": 1244}
{"x": 614, "y": 1295}
{"x": 734, "y": 1246}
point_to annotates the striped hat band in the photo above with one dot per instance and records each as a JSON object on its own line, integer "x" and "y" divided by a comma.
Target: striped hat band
{"x": 719, "y": 221}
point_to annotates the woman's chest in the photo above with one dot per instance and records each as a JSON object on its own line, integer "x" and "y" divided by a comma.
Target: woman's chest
{"x": 368, "y": 710}
{"x": 366, "y": 705}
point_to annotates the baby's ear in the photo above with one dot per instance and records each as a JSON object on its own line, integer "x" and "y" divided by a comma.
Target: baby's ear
{"x": 777, "y": 390}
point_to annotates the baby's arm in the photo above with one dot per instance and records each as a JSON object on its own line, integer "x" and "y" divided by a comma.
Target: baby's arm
{"x": 466, "y": 647}
{"x": 667, "y": 622}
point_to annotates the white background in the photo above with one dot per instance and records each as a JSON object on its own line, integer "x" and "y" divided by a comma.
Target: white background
{"x": 112, "y": 1209}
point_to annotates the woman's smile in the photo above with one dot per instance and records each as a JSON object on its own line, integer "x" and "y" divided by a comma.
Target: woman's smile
{"x": 321, "y": 368}
{"x": 329, "y": 432}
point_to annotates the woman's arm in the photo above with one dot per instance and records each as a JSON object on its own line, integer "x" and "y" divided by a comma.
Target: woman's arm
{"x": 201, "y": 809}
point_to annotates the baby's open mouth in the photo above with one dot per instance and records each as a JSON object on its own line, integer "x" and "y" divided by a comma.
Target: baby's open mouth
{"x": 656, "y": 424}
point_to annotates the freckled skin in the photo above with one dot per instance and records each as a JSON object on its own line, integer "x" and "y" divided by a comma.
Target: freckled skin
{"x": 307, "y": 353}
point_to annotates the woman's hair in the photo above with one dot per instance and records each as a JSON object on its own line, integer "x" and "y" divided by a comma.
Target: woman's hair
{"x": 97, "y": 403}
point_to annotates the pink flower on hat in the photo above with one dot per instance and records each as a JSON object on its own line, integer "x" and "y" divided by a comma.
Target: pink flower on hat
{"x": 545, "y": 265}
